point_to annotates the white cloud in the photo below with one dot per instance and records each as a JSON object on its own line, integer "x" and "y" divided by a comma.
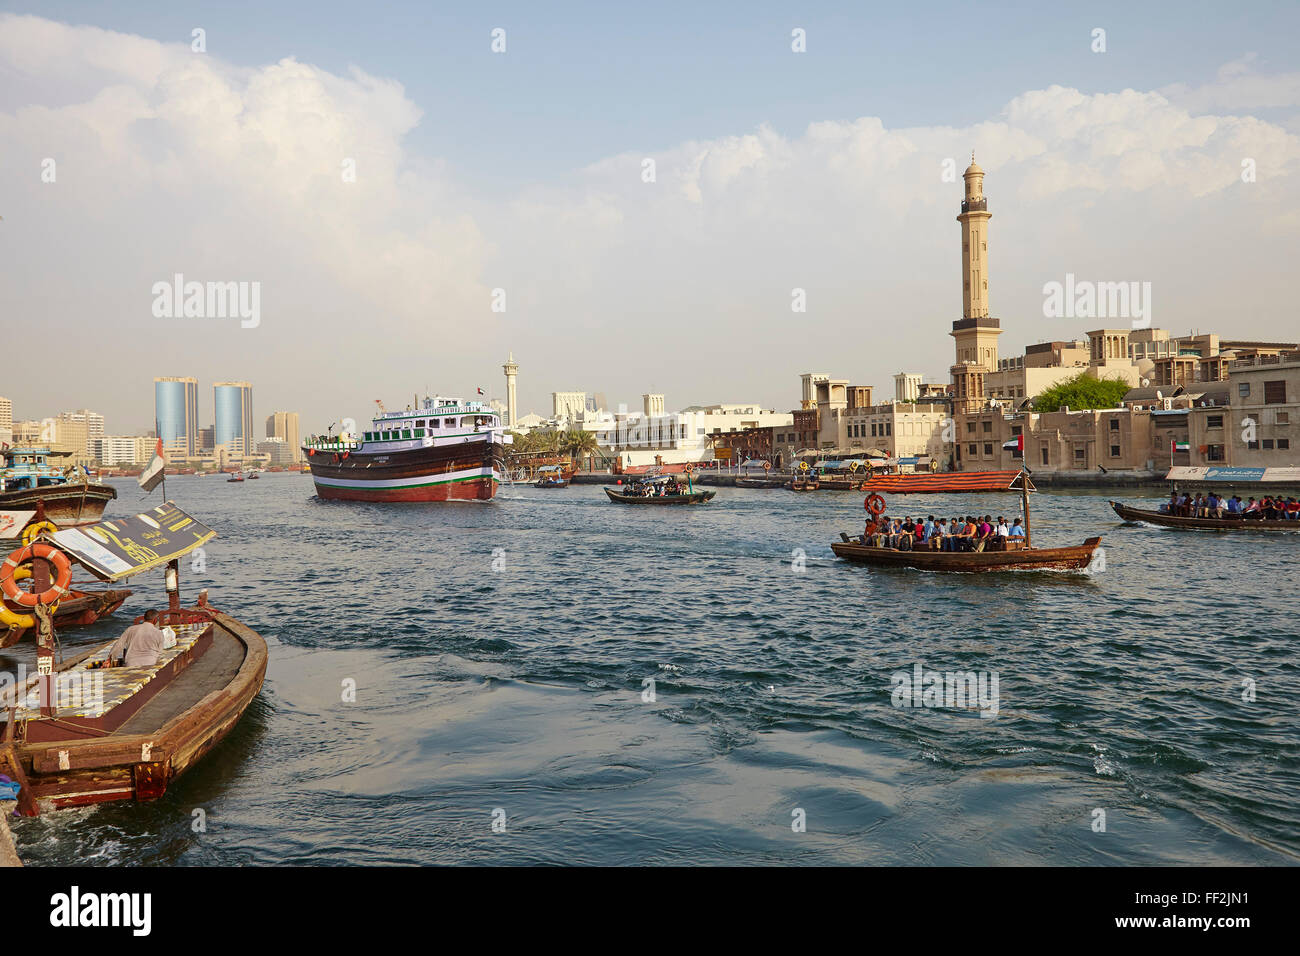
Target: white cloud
{"x": 174, "y": 161}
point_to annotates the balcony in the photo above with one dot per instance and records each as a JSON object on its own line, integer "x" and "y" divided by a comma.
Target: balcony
{"x": 974, "y": 205}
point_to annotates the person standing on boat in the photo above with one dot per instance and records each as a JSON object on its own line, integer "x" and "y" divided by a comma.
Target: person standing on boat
{"x": 141, "y": 644}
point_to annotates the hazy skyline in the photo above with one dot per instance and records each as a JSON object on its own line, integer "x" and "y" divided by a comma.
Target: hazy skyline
{"x": 523, "y": 171}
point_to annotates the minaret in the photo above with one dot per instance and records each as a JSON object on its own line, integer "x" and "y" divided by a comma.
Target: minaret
{"x": 976, "y": 334}
{"x": 512, "y": 408}
{"x": 974, "y": 221}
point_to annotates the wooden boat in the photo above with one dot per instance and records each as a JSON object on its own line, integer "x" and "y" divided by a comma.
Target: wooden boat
{"x": 235, "y": 477}
{"x": 78, "y": 733}
{"x": 551, "y": 476}
{"x": 1005, "y": 555}
{"x": 29, "y": 483}
{"x": 1204, "y": 524}
{"x": 78, "y": 609}
{"x": 1072, "y": 558}
{"x": 811, "y": 483}
{"x": 691, "y": 497}
{"x": 954, "y": 482}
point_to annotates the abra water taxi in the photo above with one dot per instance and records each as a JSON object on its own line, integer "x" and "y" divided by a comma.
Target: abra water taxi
{"x": 551, "y": 476}
{"x": 1001, "y": 554}
{"x": 660, "y": 490}
{"x": 27, "y": 478}
{"x": 1226, "y": 523}
{"x": 445, "y": 450}
{"x": 84, "y": 731}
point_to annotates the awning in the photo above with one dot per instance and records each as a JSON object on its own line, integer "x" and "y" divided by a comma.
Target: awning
{"x": 123, "y": 547}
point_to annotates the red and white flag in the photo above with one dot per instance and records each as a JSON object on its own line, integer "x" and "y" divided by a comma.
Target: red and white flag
{"x": 151, "y": 476}
{"x": 480, "y": 391}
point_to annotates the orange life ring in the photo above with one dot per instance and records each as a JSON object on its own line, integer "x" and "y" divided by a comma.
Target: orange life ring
{"x": 875, "y": 504}
{"x": 50, "y": 595}
{"x": 767, "y": 466}
{"x": 311, "y": 452}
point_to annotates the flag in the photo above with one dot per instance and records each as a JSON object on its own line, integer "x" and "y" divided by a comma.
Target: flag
{"x": 1015, "y": 444}
{"x": 480, "y": 391}
{"x": 150, "y": 477}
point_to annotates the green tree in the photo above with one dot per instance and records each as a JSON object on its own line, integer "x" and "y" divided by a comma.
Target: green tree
{"x": 579, "y": 442}
{"x": 1082, "y": 391}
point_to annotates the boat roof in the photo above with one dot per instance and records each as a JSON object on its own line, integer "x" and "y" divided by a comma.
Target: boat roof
{"x": 122, "y": 547}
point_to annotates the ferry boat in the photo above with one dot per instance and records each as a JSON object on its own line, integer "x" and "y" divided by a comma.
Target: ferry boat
{"x": 445, "y": 450}
{"x": 27, "y": 478}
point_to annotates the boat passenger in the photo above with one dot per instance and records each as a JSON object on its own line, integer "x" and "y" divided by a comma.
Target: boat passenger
{"x": 966, "y": 540}
{"x": 140, "y": 644}
{"x": 1251, "y": 510}
{"x": 1017, "y": 531}
{"x": 1234, "y": 506}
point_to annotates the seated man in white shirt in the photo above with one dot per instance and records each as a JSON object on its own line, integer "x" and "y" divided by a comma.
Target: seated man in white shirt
{"x": 141, "y": 644}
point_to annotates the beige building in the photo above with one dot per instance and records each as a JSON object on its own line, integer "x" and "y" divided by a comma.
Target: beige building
{"x": 6, "y": 420}
{"x": 568, "y": 405}
{"x": 511, "y": 368}
{"x": 900, "y": 429}
{"x": 284, "y": 425}
{"x": 1265, "y": 395}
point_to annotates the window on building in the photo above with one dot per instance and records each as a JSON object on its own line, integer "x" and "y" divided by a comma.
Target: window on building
{"x": 1214, "y": 452}
{"x": 970, "y": 428}
{"x": 1213, "y": 421}
{"x": 1275, "y": 393}
{"x": 1114, "y": 424}
{"x": 1044, "y": 454}
{"x": 1283, "y": 444}
{"x": 1114, "y": 451}
{"x": 988, "y": 427}
{"x": 1268, "y": 444}
{"x": 1080, "y": 454}
{"x": 1253, "y": 445}
{"x": 1282, "y": 418}
{"x": 889, "y": 428}
{"x": 1243, "y": 389}
{"x": 973, "y": 448}
{"x": 988, "y": 448}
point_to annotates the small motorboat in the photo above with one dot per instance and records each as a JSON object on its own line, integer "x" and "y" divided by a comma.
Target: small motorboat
{"x": 235, "y": 477}
{"x": 551, "y": 476}
{"x": 659, "y": 490}
{"x": 1236, "y": 523}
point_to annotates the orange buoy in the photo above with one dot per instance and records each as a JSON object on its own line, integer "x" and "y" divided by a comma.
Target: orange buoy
{"x": 51, "y": 595}
{"x": 875, "y": 504}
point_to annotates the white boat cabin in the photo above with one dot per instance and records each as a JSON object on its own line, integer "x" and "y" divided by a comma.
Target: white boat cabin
{"x": 439, "y": 421}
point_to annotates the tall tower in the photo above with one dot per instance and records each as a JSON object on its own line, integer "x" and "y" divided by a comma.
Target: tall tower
{"x": 512, "y": 407}
{"x": 976, "y": 333}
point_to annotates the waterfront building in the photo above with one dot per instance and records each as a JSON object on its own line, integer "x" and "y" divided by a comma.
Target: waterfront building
{"x": 284, "y": 426}
{"x": 568, "y": 406}
{"x": 232, "y": 404}
{"x": 6, "y": 420}
{"x": 115, "y": 450}
{"x": 176, "y": 410}
{"x": 511, "y": 368}
{"x": 1265, "y": 410}
{"x": 899, "y": 429}
{"x": 652, "y": 405}
{"x": 279, "y": 451}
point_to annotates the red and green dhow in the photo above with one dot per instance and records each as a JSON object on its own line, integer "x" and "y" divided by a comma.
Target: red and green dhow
{"x": 447, "y": 450}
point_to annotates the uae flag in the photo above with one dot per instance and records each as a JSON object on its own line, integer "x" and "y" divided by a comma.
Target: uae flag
{"x": 480, "y": 391}
{"x": 152, "y": 475}
{"x": 1015, "y": 444}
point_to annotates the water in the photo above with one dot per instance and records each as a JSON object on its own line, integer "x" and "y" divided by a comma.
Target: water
{"x": 520, "y": 690}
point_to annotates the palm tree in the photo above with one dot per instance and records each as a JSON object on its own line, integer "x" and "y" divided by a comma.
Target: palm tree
{"x": 579, "y": 442}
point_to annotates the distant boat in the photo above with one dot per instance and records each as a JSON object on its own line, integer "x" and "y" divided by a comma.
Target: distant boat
{"x": 235, "y": 477}
{"x": 551, "y": 476}
{"x": 647, "y": 492}
{"x": 27, "y": 478}
{"x": 1205, "y": 524}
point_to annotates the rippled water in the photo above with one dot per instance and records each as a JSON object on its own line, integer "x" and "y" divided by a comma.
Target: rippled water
{"x": 521, "y": 689}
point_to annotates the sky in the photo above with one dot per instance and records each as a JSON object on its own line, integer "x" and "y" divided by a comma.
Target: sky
{"x": 387, "y": 183}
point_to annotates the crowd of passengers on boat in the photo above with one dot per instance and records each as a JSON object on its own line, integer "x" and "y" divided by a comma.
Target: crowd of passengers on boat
{"x": 1213, "y": 505}
{"x": 970, "y": 534}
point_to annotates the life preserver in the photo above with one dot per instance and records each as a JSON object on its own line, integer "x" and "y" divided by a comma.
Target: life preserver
{"x": 767, "y": 466}
{"x": 50, "y": 595}
{"x": 803, "y": 466}
{"x": 311, "y": 452}
{"x": 875, "y": 504}
{"x": 31, "y": 532}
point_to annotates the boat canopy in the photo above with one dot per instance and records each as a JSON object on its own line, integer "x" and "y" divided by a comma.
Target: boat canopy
{"x": 122, "y": 547}
{"x": 548, "y": 469}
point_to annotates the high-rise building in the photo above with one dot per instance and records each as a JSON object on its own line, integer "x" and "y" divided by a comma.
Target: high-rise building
{"x": 6, "y": 420}
{"x": 176, "y": 410}
{"x": 285, "y": 425}
{"x": 512, "y": 406}
{"x": 233, "y": 405}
